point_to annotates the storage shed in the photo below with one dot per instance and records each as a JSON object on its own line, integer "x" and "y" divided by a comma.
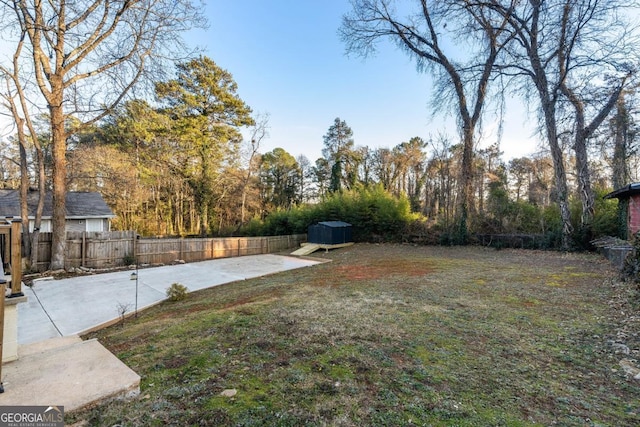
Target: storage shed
{"x": 330, "y": 233}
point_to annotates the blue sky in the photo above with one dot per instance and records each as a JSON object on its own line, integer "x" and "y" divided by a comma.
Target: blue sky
{"x": 288, "y": 61}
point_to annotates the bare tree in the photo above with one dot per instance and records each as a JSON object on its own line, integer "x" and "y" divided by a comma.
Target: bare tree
{"x": 521, "y": 173}
{"x": 259, "y": 131}
{"x": 304, "y": 179}
{"x": 531, "y": 56}
{"x": 586, "y": 27}
{"x": 383, "y": 166}
{"x": 85, "y": 57}
{"x": 441, "y": 180}
{"x": 582, "y": 132}
{"x": 557, "y": 45}
{"x": 433, "y": 36}
{"x": 9, "y": 164}
{"x": 16, "y": 103}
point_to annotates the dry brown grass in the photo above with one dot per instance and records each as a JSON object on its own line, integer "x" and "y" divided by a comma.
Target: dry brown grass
{"x": 390, "y": 335}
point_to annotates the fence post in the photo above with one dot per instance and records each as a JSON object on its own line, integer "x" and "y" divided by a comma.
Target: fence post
{"x": 134, "y": 247}
{"x": 83, "y": 249}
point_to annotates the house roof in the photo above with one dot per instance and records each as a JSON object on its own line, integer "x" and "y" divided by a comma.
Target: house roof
{"x": 624, "y": 192}
{"x": 78, "y": 204}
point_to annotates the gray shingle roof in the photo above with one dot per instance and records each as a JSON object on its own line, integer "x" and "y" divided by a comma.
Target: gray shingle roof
{"x": 78, "y": 204}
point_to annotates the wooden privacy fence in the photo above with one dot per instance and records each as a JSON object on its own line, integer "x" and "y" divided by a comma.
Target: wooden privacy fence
{"x": 118, "y": 248}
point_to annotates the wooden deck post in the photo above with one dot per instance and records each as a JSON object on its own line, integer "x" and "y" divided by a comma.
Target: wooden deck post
{"x": 16, "y": 259}
{"x": 2, "y": 294}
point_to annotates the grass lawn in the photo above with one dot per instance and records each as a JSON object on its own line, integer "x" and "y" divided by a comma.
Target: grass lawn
{"x": 389, "y": 335}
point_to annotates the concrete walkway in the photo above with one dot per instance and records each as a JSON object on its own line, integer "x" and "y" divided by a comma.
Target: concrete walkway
{"x": 55, "y": 367}
{"x": 68, "y": 372}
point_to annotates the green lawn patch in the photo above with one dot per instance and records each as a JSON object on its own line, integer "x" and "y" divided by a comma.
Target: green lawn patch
{"x": 386, "y": 335}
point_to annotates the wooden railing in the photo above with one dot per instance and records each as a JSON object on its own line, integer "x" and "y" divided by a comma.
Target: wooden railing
{"x": 10, "y": 253}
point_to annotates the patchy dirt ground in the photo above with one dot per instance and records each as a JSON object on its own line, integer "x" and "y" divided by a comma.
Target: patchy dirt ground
{"x": 391, "y": 335}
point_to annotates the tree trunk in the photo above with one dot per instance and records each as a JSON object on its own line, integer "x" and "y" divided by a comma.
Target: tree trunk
{"x": 59, "y": 151}
{"x": 42, "y": 188}
{"x": 203, "y": 208}
{"x": 466, "y": 183}
{"x": 583, "y": 174}
{"x": 583, "y": 133}
{"x": 584, "y": 182}
{"x": 560, "y": 174}
{"x": 548, "y": 99}
{"x": 24, "y": 192}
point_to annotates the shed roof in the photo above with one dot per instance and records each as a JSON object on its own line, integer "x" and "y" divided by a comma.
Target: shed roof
{"x": 78, "y": 204}
{"x": 335, "y": 224}
{"x": 624, "y": 192}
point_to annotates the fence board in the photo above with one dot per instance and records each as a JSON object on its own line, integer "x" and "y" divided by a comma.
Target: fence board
{"x": 112, "y": 249}
{"x": 44, "y": 251}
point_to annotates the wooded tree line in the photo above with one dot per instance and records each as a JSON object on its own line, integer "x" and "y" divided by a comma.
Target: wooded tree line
{"x": 150, "y": 173}
{"x": 571, "y": 59}
{"x": 96, "y": 107}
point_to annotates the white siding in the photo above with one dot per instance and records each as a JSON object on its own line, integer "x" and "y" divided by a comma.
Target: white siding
{"x": 75, "y": 225}
{"x": 95, "y": 225}
{"x": 45, "y": 225}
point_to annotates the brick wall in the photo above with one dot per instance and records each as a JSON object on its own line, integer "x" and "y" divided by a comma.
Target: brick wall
{"x": 634, "y": 215}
